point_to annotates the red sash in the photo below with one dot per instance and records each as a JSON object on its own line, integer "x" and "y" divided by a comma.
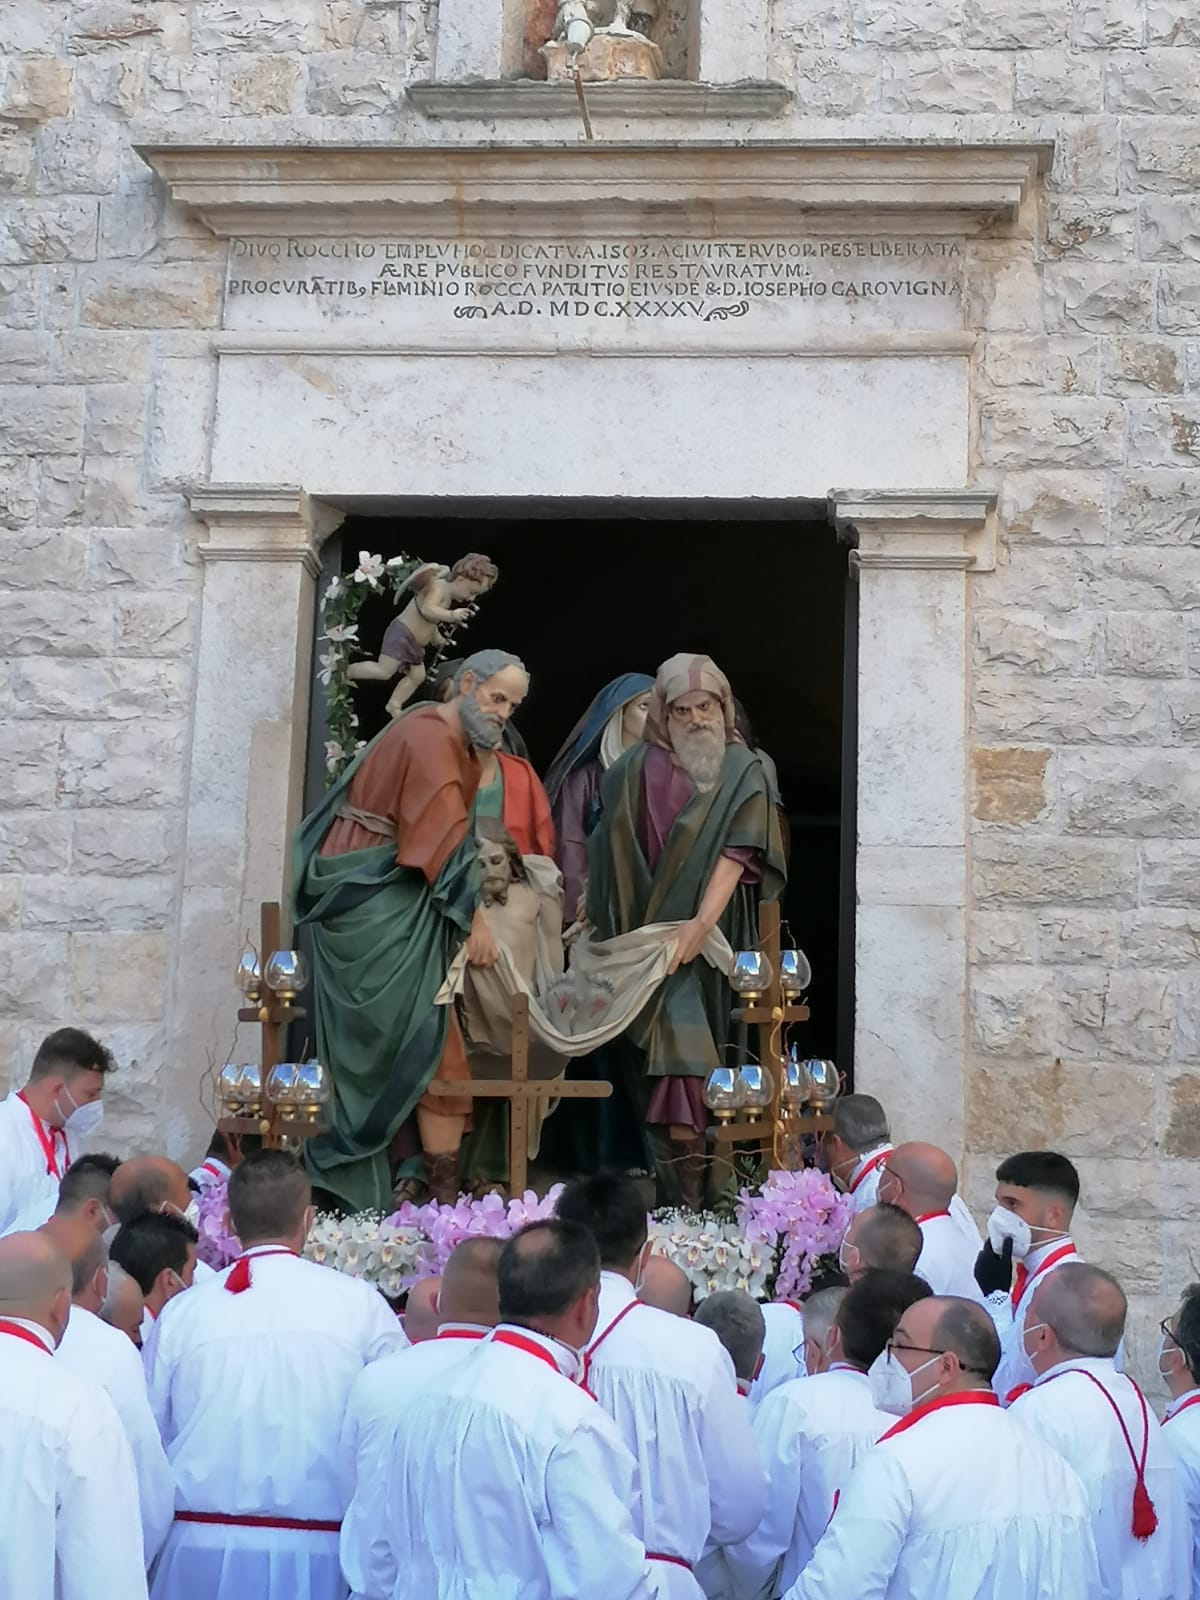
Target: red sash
{"x": 462, "y": 1333}
{"x": 675, "y": 1561}
{"x": 970, "y": 1397}
{"x": 239, "y": 1279}
{"x": 1144, "y": 1519}
{"x": 1023, "y": 1278}
{"x": 223, "y": 1519}
{"x": 15, "y": 1331}
{"x": 930, "y": 1216}
{"x": 590, "y": 1352}
{"x": 1179, "y": 1410}
{"x": 207, "y": 1166}
{"x": 46, "y": 1140}
{"x": 868, "y": 1168}
{"x": 517, "y": 1341}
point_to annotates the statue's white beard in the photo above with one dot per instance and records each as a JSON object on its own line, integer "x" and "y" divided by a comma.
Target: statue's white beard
{"x": 701, "y": 751}
{"x": 483, "y": 731}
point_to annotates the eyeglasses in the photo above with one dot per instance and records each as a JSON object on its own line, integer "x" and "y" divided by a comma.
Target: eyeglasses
{"x": 926, "y": 1350}
{"x": 1165, "y": 1326}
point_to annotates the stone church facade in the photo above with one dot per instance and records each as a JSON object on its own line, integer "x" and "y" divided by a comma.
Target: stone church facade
{"x": 986, "y": 215}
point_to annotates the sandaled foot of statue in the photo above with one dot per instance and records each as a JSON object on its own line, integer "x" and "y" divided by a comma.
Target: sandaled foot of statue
{"x": 442, "y": 1176}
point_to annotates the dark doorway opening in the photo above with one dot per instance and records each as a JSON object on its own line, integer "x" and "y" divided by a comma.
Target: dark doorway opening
{"x": 583, "y": 598}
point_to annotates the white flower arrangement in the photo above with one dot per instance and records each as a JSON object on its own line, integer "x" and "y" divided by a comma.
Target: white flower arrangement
{"x": 715, "y": 1254}
{"x": 368, "y": 1247}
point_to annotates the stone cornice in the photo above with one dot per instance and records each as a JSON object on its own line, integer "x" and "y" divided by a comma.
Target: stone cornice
{"x": 255, "y": 522}
{"x": 524, "y": 97}
{"x": 675, "y": 189}
{"x": 919, "y": 529}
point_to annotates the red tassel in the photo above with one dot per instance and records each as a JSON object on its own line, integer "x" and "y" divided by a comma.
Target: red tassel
{"x": 239, "y": 1278}
{"x": 1145, "y": 1518}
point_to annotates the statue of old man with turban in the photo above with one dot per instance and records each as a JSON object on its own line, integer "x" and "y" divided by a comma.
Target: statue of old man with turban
{"x": 687, "y": 833}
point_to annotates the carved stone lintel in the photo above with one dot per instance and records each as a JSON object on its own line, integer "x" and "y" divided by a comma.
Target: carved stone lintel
{"x": 504, "y": 98}
{"x": 254, "y": 522}
{"x": 917, "y": 529}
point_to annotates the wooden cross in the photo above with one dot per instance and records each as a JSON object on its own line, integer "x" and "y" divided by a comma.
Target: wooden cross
{"x": 520, "y": 1090}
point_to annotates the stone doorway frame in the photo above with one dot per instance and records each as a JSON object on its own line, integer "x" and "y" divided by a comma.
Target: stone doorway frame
{"x": 914, "y": 550}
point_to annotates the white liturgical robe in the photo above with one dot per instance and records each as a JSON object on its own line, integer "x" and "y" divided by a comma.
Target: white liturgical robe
{"x": 956, "y": 1502}
{"x": 107, "y": 1356}
{"x": 508, "y": 1482}
{"x": 783, "y": 1349}
{"x": 69, "y": 1522}
{"x": 378, "y": 1405}
{"x": 1011, "y": 1312}
{"x": 33, "y": 1158}
{"x": 1067, "y": 1409}
{"x": 947, "y": 1259}
{"x": 811, "y": 1434}
{"x": 669, "y": 1386}
{"x": 1181, "y": 1430}
{"x": 250, "y": 1391}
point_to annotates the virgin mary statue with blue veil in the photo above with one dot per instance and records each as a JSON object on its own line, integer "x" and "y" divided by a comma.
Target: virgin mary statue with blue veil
{"x": 608, "y": 727}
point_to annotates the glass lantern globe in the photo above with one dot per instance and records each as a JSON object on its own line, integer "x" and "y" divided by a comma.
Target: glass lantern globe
{"x": 229, "y": 1088}
{"x": 286, "y": 973}
{"x": 312, "y": 1088}
{"x": 796, "y": 1085}
{"x": 281, "y": 1084}
{"x": 826, "y": 1083}
{"x": 750, "y": 974}
{"x": 795, "y": 973}
{"x": 249, "y": 1085}
{"x": 249, "y": 974}
{"x": 724, "y": 1093}
{"x": 759, "y": 1086}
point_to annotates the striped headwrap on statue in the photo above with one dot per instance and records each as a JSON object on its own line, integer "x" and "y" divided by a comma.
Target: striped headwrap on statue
{"x": 687, "y": 674}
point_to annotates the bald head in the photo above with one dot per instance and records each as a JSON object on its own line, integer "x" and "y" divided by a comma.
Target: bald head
{"x": 470, "y": 1289}
{"x": 420, "y": 1314}
{"x": 884, "y": 1237}
{"x": 147, "y": 1183}
{"x": 666, "y": 1286}
{"x": 124, "y": 1304}
{"x": 1083, "y": 1307}
{"x": 919, "y": 1178}
{"x": 35, "y": 1281}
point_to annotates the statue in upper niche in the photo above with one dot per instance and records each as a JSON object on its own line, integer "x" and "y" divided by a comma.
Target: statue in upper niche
{"x": 578, "y": 21}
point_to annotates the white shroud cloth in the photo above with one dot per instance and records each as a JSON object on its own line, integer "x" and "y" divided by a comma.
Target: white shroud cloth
{"x": 250, "y": 1391}
{"x": 1181, "y": 1431}
{"x": 28, "y": 1192}
{"x": 1066, "y": 1410}
{"x": 378, "y": 1406}
{"x": 508, "y": 1482}
{"x": 964, "y": 1504}
{"x": 669, "y": 1386}
{"x": 70, "y": 1523}
{"x": 783, "y": 1349}
{"x": 106, "y": 1356}
{"x": 947, "y": 1259}
{"x": 811, "y": 1434}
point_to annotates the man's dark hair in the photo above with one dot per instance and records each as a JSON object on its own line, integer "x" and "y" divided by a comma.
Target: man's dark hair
{"x": 155, "y": 1240}
{"x": 87, "y": 1178}
{"x": 267, "y": 1195}
{"x": 890, "y": 1238}
{"x": 545, "y": 1268}
{"x": 610, "y": 1206}
{"x": 66, "y": 1053}
{"x": 969, "y": 1332}
{"x": 871, "y": 1308}
{"x": 1045, "y": 1170}
{"x": 1187, "y": 1331}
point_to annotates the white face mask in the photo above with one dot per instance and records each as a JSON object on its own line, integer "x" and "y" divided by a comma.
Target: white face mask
{"x": 892, "y": 1384}
{"x": 192, "y": 1212}
{"x": 82, "y": 1120}
{"x": 1166, "y": 1345}
{"x": 1005, "y": 1224}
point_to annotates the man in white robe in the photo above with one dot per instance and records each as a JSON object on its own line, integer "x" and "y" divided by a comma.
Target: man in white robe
{"x": 812, "y": 1432}
{"x": 671, "y": 1390}
{"x": 922, "y": 1179}
{"x": 469, "y": 1307}
{"x": 69, "y": 1523}
{"x": 250, "y": 1375}
{"x": 1179, "y": 1368}
{"x": 737, "y": 1320}
{"x": 42, "y": 1124}
{"x": 854, "y": 1150}
{"x": 783, "y": 1349}
{"x": 101, "y": 1354}
{"x": 1099, "y": 1421}
{"x": 506, "y": 1478}
{"x": 83, "y": 1195}
{"x": 880, "y": 1239}
{"x": 1028, "y": 1238}
{"x": 156, "y": 1183}
{"x": 158, "y": 1251}
{"x": 956, "y": 1500}
{"x": 666, "y": 1286}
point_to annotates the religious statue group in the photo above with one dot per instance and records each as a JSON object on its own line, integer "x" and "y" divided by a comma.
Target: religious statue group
{"x": 440, "y": 876}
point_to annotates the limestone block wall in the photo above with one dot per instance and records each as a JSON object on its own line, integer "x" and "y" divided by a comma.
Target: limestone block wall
{"x": 1084, "y": 693}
